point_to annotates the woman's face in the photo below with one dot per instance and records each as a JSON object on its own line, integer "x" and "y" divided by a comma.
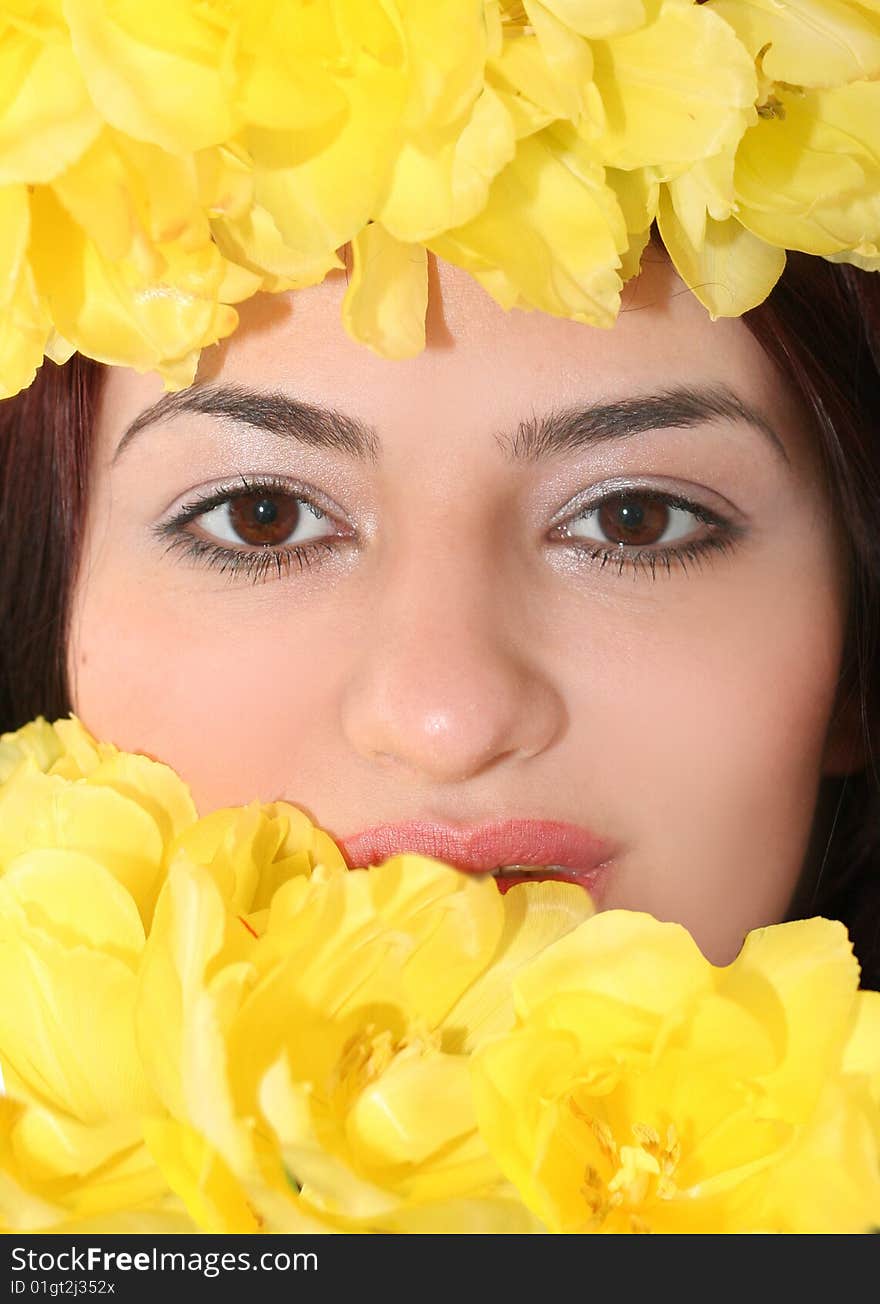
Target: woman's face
{"x": 540, "y": 572}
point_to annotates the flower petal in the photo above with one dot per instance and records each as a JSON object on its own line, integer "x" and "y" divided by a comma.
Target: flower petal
{"x": 808, "y": 42}
{"x": 675, "y": 91}
{"x": 551, "y": 234}
{"x": 46, "y": 116}
{"x": 197, "y": 1174}
{"x": 810, "y": 179}
{"x": 387, "y": 295}
{"x": 730, "y": 272}
{"x": 157, "y": 74}
{"x": 535, "y": 916}
{"x": 441, "y": 177}
{"x": 811, "y": 966}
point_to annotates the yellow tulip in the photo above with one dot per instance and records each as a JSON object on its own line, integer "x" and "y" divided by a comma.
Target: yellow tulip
{"x": 319, "y": 1047}
{"x": 808, "y": 177}
{"x": 279, "y": 1044}
{"x": 86, "y": 831}
{"x": 159, "y": 163}
{"x": 644, "y": 1089}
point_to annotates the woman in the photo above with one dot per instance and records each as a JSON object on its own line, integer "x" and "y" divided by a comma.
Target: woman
{"x": 543, "y": 595}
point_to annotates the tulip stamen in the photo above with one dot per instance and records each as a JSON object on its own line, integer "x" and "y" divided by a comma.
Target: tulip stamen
{"x": 635, "y": 1175}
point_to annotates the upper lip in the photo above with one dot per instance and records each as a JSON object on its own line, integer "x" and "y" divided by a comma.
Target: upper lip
{"x": 480, "y": 848}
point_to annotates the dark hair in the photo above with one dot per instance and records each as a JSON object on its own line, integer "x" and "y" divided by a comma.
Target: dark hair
{"x": 821, "y": 326}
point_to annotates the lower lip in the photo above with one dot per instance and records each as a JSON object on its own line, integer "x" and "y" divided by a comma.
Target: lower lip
{"x": 591, "y": 881}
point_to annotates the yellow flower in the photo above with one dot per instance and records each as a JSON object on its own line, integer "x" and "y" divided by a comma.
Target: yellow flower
{"x": 85, "y": 831}
{"x": 159, "y": 163}
{"x": 805, "y": 175}
{"x": 808, "y": 175}
{"x": 312, "y": 1050}
{"x": 643, "y": 1089}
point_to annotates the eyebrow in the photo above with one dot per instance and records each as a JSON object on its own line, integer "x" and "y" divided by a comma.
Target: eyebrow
{"x": 564, "y": 430}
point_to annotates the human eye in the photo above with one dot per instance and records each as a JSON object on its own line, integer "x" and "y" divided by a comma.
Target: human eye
{"x": 641, "y": 528}
{"x": 253, "y": 528}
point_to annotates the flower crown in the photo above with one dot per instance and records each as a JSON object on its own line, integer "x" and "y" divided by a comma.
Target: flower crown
{"x": 160, "y": 163}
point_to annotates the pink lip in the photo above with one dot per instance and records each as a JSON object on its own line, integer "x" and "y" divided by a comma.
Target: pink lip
{"x": 480, "y": 848}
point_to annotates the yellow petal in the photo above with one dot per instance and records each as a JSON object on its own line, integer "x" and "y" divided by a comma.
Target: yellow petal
{"x": 829, "y": 1182}
{"x": 321, "y": 187}
{"x": 551, "y": 69}
{"x": 862, "y": 1051}
{"x": 387, "y": 295}
{"x": 80, "y": 753}
{"x": 810, "y": 179}
{"x": 46, "y": 117}
{"x": 811, "y": 966}
{"x": 808, "y": 42}
{"x": 14, "y": 233}
{"x": 93, "y": 1167}
{"x": 111, "y": 311}
{"x": 551, "y": 234}
{"x": 479, "y": 1216}
{"x": 327, "y": 1181}
{"x": 596, "y": 18}
{"x": 867, "y": 262}
{"x": 157, "y": 74}
{"x": 251, "y": 851}
{"x": 212, "y": 1196}
{"x": 446, "y": 49}
{"x": 253, "y": 239}
{"x": 284, "y": 54}
{"x": 638, "y": 196}
{"x": 130, "y": 197}
{"x": 25, "y": 326}
{"x": 535, "y": 916}
{"x": 23, "y": 319}
{"x": 22, "y": 1208}
{"x": 49, "y": 887}
{"x": 514, "y": 1080}
{"x": 441, "y": 177}
{"x": 680, "y": 89}
{"x": 419, "y": 1108}
{"x": 730, "y": 272}
{"x": 187, "y": 933}
{"x": 45, "y": 811}
{"x": 128, "y": 1222}
{"x": 625, "y": 955}
{"x": 66, "y": 1025}
{"x": 156, "y": 788}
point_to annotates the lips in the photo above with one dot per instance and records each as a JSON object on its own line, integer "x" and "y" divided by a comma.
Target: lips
{"x": 556, "y": 850}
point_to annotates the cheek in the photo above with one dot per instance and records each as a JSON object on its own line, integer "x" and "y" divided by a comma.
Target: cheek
{"x": 727, "y": 710}
{"x": 240, "y": 706}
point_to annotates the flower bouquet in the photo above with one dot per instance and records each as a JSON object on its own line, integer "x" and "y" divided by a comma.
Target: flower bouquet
{"x": 214, "y": 1025}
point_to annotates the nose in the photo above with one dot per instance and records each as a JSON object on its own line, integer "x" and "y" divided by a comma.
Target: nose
{"x": 448, "y": 684}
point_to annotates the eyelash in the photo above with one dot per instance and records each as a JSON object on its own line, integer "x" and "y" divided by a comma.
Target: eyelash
{"x": 255, "y": 565}
{"x": 722, "y": 541}
{"x": 259, "y": 563}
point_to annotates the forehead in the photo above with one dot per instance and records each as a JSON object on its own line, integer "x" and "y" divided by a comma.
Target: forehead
{"x": 483, "y": 368}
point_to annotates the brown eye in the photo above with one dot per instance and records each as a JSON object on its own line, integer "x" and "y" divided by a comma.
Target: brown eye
{"x": 637, "y": 520}
{"x": 264, "y": 518}
{"x": 640, "y": 521}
